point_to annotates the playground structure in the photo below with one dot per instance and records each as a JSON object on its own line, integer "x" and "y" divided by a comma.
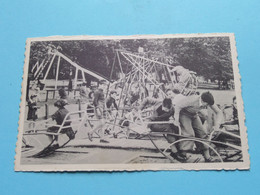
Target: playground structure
{"x": 152, "y": 72}
{"x": 40, "y": 72}
{"x": 37, "y": 69}
{"x": 142, "y": 74}
{"x": 140, "y": 69}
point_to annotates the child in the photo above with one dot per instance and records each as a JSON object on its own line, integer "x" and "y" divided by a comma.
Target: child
{"x": 111, "y": 101}
{"x": 100, "y": 111}
{"x": 59, "y": 117}
{"x": 83, "y": 91}
{"x": 234, "y": 119}
{"x": 181, "y": 77}
{"x": 32, "y": 112}
{"x": 112, "y": 107}
{"x": 90, "y": 106}
{"x": 62, "y": 93}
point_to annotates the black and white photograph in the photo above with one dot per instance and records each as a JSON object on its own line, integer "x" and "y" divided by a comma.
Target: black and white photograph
{"x": 143, "y": 102}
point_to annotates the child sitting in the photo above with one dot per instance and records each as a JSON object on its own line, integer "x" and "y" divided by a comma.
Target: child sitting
{"x": 59, "y": 117}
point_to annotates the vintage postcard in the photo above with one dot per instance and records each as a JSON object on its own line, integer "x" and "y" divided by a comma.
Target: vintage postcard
{"x": 126, "y": 103}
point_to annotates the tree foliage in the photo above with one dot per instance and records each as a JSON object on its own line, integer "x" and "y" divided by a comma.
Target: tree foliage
{"x": 210, "y": 57}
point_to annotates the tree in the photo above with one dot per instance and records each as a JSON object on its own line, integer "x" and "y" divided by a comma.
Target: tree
{"x": 210, "y": 57}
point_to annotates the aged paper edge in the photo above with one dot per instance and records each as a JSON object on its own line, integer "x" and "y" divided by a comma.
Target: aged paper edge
{"x": 136, "y": 167}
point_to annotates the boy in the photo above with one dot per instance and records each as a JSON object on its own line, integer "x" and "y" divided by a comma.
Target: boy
{"x": 100, "y": 112}
{"x": 186, "y": 115}
{"x": 162, "y": 112}
{"x": 111, "y": 101}
{"x": 181, "y": 76}
{"x": 234, "y": 120}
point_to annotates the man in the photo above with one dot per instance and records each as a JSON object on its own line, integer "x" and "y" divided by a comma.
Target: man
{"x": 162, "y": 112}
{"x": 186, "y": 115}
{"x": 172, "y": 93}
{"x": 100, "y": 111}
{"x": 181, "y": 76}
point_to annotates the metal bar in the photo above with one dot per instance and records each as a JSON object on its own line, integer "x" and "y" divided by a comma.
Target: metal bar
{"x": 146, "y": 59}
{"x": 76, "y": 78}
{"x": 159, "y": 148}
{"x": 196, "y": 140}
{"x": 111, "y": 73}
{"x": 157, "y": 85}
{"x": 200, "y": 139}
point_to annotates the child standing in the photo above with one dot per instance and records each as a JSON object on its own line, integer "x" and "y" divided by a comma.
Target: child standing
{"x": 32, "y": 112}
{"x": 100, "y": 111}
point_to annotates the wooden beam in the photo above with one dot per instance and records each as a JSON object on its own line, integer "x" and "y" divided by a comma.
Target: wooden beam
{"x": 83, "y": 76}
{"x": 47, "y": 72}
{"x": 76, "y": 78}
{"x": 80, "y": 68}
{"x": 57, "y": 73}
{"x": 119, "y": 62}
{"x": 39, "y": 68}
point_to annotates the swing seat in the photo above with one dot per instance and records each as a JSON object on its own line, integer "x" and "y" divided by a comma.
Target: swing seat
{"x": 41, "y": 140}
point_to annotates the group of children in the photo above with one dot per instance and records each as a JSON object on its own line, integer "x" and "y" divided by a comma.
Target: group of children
{"x": 189, "y": 116}
{"x": 185, "y": 110}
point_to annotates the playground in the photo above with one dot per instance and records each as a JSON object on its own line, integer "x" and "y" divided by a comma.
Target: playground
{"x": 120, "y": 133}
{"x": 81, "y": 150}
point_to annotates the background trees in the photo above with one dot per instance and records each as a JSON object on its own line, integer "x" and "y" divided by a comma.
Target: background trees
{"x": 210, "y": 57}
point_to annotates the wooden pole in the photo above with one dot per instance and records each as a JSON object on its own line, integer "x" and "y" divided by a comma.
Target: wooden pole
{"x": 83, "y": 76}
{"x": 39, "y": 68}
{"x": 76, "y": 78}
{"x": 79, "y": 104}
{"x": 35, "y": 66}
{"x": 46, "y": 111}
{"x": 47, "y": 94}
{"x": 170, "y": 75}
{"x": 111, "y": 73}
{"x": 47, "y": 72}
{"x": 57, "y": 73}
{"x": 120, "y": 98}
{"x": 79, "y": 67}
{"x": 119, "y": 63}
